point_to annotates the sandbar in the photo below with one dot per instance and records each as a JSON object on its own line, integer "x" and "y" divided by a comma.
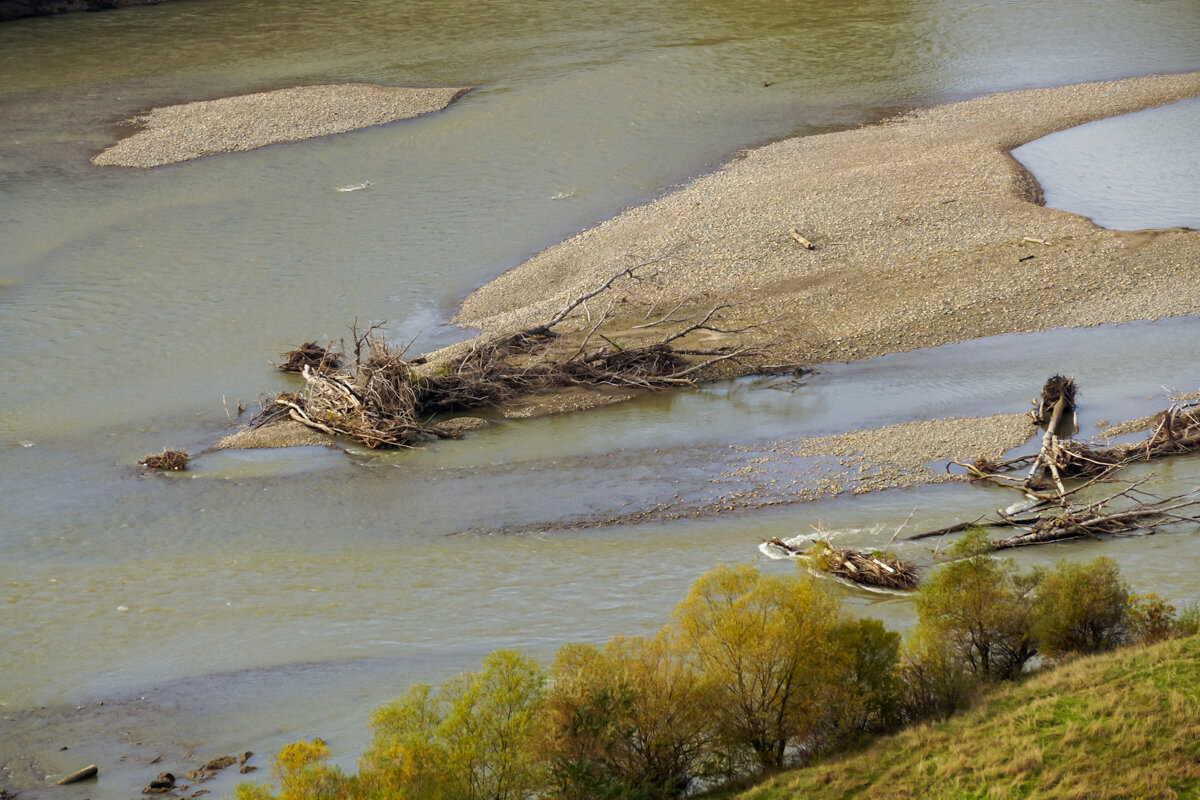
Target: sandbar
{"x": 926, "y": 232}
{"x": 171, "y": 134}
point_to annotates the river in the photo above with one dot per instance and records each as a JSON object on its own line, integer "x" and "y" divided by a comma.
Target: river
{"x": 268, "y": 596}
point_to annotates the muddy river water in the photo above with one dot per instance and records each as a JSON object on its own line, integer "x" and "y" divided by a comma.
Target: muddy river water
{"x": 265, "y": 596}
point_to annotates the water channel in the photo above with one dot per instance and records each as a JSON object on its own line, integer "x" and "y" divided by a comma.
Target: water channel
{"x": 271, "y": 595}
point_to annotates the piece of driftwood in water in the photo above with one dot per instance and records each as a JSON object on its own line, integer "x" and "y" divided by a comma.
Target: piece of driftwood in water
{"x": 882, "y": 570}
{"x": 171, "y": 460}
{"x": 90, "y": 771}
{"x": 386, "y": 400}
{"x": 311, "y": 355}
{"x": 1097, "y": 519}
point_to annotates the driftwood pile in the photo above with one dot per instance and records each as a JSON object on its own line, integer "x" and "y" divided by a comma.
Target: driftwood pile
{"x": 383, "y": 399}
{"x": 167, "y": 460}
{"x": 1055, "y": 515}
{"x": 313, "y": 356}
{"x": 881, "y": 570}
{"x": 1142, "y": 513}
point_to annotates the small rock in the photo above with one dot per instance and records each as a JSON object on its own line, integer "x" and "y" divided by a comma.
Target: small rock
{"x": 247, "y": 768}
{"x": 244, "y": 757}
{"x": 165, "y": 782}
{"x": 218, "y": 764}
{"x": 457, "y": 426}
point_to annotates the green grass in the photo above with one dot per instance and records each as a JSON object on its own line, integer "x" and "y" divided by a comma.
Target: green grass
{"x": 1124, "y": 724}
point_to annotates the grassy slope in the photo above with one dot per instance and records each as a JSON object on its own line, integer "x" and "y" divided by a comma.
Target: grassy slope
{"x": 1125, "y": 724}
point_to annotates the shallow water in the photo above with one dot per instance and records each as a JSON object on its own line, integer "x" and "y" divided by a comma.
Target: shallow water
{"x": 265, "y": 596}
{"x": 1136, "y": 171}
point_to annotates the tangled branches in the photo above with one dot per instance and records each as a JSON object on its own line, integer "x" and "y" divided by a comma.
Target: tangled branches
{"x": 1055, "y": 515}
{"x": 877, "y": 569}
{"x": 384, "y": 400}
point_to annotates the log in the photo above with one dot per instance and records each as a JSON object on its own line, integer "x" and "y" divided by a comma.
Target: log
{"x": 1043, "y": 459}
{"x": 90, "y": 771}
{"x": 805, "y": 243}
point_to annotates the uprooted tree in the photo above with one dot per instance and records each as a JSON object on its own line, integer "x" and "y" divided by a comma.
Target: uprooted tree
{"x": 1054, "y": 512}
{"x": 383, "y": 399}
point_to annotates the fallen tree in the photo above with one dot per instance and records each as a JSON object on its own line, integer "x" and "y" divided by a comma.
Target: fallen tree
{"x": 1053, "y": 515}
{"x": 1145, "y": 514}
{"x": 878, "y": 569}
{"x": 383, "y": 399}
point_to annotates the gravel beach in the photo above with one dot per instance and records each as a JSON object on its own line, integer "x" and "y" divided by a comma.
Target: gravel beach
{"x": 926, "y": 232}
{"x": 191, "y": 130}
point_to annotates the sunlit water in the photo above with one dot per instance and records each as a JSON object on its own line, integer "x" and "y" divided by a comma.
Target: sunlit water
{"x": 1136, "y": 171}
{"x": 265, "y": 596}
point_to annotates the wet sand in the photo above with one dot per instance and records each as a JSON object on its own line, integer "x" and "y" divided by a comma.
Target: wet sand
{"x": 926, "y": 232}
{"x": 192, "y": 130}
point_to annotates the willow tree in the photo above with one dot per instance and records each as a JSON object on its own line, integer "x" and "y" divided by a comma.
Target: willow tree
{"x": 767, "y": 646}
{"x": 979, "y": 611}
{"x": 631, "y": 720}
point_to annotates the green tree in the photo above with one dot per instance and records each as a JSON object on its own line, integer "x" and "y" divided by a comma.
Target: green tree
{"x": 408, "y": 756}
{"x": 1081, "y": 608}
{"x": 980, "y": 610}
{"x": 872, "y": 686}
{"x": 303, "y": 774}
{"x": 765, "y": 644}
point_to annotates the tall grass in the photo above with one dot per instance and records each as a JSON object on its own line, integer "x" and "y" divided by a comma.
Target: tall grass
{"x": 1123, "y": 724}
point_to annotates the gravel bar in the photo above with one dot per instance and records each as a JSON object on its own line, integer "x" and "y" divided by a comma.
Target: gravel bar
{"x": 192, "y": 130}
{"x": 926, "y": 232}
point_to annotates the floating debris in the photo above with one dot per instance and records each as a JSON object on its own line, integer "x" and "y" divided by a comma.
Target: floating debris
{"x": 169, "y": 460}
{"x": 876, "y": 569}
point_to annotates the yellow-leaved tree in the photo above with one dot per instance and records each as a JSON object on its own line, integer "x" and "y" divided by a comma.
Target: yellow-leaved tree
{"x": 632, "y": 720}
{"x": 767, "y": 647}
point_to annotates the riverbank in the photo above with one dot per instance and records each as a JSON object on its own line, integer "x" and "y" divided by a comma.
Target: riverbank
{"x": 1029, "y": 740}
{"x": 925, "y": 231}
{"x": 19, "y": 9}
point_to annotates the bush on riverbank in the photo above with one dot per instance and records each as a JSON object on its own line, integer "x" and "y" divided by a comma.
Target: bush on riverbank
{"x": 753, "y": 673}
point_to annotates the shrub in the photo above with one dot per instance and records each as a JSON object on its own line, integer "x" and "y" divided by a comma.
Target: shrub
{"x": 303, "y": 774}
{"x": 934, "y": 682}
{"x": 1186, "y": 622}
{"x": 873, "y": 689}
{"x": 471, "y": 739}
{"x": 1081, "y": 608}
{"x": 1150, "y": 618}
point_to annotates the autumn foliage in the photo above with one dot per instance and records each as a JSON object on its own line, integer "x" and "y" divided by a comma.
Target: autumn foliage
{"x": 751, "y": 673}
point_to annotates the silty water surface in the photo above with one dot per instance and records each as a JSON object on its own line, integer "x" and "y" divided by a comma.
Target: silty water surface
{"x": 272, "y": 595}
